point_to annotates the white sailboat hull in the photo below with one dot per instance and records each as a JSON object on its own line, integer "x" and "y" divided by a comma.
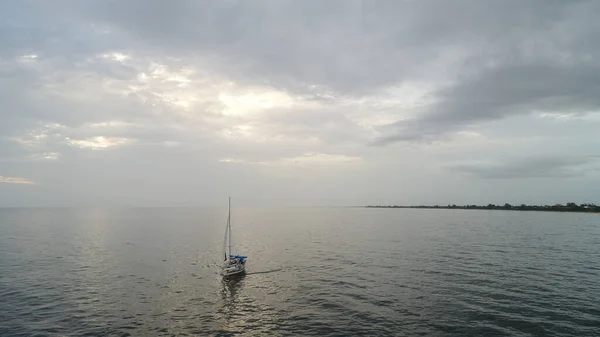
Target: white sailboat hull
{"x": 233, "y": 269}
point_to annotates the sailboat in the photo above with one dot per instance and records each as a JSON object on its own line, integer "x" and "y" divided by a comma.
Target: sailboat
{"x": 233, "y": 264}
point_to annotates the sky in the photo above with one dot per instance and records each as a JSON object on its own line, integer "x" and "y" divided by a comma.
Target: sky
{"x": 299, "y": 103}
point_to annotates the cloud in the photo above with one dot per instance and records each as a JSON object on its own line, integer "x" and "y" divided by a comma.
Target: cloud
{"x": 307, "y": 159}
{"x": 570, "y": 116}
{"x": 482, "y": 64}
{"x": 15, "y": 180}
{"x": 116, "y": 56}
{"x": 45, "y": 156}
{"x": 307, "y": 168}
{"x": 503, "y": 91}
{"x": 243, "y": 95}
{"x": 52, "y": 136}
{"x": 534, "y": 167}
{"x": 231, "y": 160}
{"x": 38, "y": 136}
{"x": 313, "y": 159}
{"x": 99, "y": 142}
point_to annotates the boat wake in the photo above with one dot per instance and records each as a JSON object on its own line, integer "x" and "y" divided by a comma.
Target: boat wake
{"x": 264, "y": 272}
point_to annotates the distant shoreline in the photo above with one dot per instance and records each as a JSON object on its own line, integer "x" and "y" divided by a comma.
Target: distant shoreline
{"x": 569, "y": 207}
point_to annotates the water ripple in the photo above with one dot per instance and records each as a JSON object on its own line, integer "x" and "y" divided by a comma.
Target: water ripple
{"x": 326, "y": 272}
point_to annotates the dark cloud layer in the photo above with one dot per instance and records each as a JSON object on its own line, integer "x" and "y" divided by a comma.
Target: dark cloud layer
{"x": 504, "y": 91}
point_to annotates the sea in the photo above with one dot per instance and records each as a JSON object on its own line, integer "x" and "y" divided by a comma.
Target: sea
{"x": 310, "y": 272}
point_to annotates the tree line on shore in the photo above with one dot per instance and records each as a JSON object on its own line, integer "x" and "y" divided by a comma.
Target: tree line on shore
{"x": 568, "y": 207}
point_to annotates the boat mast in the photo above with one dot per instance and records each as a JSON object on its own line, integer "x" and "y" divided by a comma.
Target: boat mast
{"x": 229, "y": 224}
{"x": 225, "y": 239}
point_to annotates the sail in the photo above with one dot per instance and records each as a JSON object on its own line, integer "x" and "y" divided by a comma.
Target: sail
{"x": 228, "y": 247}
{"x": 231, "y": 245}
{"x": 225, "y": 241}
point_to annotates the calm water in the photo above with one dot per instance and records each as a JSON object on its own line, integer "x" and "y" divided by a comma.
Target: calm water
{"x": 322, "y": 272}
